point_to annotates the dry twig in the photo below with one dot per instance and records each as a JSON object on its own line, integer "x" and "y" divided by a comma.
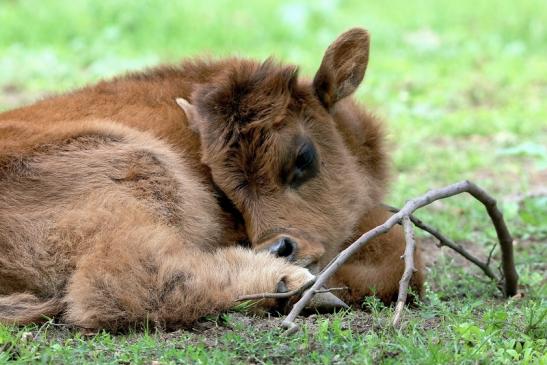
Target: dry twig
{"x": 408, "y": 256}
{"x": 510, "y": 276}
{"x": 445, "y": 241}
{"x": 288, "y": 294}
{"x": 285, "y": 295}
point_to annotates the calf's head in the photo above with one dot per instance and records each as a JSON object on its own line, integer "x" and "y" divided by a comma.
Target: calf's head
{"x": 275, "y": 148}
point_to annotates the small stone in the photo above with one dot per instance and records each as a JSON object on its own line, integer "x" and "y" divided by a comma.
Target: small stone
{"x": 27, "y": 336}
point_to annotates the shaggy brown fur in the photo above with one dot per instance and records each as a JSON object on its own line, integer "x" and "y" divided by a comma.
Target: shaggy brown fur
{"x": 117, "y": 207}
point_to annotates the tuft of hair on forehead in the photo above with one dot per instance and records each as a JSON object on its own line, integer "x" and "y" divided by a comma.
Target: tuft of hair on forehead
{"x": 246, "y": 94}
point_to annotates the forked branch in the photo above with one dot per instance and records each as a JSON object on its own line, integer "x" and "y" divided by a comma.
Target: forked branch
{"x": 510, "y": 277}
{"x": 445, "y": 241}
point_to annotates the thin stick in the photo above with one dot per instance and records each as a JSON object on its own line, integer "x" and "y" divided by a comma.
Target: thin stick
{"x": 504, "y": 237}
{"x": 285, "y": 295}
{"x": 288, "y": 294}
{"x": 409, "y": 269}
{"x": 445, "y": 241}
{"x": 492, "y": 249}
{"x": 330, "y": 290}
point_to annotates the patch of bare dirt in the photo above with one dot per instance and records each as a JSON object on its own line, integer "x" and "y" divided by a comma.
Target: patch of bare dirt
{"x": 432, "y": 254}
{"x": 209, "y": 333}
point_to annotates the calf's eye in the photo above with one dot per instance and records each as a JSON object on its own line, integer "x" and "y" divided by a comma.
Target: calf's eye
{"x": 305, "y": 165}
{"x": 305, "y": 157}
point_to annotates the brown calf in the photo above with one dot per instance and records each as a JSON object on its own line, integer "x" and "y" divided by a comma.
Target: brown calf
{"x": 119, "y": 207}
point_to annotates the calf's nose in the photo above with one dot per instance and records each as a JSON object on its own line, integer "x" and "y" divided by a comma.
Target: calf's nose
{"x": 284, "y": 247}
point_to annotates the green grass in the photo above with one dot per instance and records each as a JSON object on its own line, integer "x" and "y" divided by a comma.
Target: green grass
{"x": 463, "y": 86}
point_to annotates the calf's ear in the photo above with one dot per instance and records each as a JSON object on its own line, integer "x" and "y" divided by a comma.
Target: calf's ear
{"x": 191, "y": 114}
{"x": 343, "y": 67}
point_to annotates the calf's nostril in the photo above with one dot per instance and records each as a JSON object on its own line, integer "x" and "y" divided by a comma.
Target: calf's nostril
{"x": 283, "y": 248}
